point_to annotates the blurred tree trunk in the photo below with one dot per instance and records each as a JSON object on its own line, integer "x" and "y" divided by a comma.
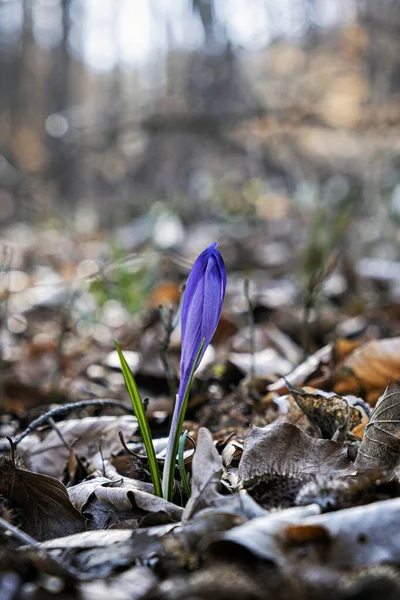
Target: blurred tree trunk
{"x": 62, "y": 168}
{"x": 205, "y": 10}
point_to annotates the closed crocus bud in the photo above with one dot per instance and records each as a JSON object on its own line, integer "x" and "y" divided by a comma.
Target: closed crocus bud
{"x": 201, "y": 310}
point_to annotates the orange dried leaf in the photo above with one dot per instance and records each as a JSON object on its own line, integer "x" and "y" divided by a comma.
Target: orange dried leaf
{"x": 167, "y": 293}
{"x": 344, "y": 347}
{"x": 367, "y": 370}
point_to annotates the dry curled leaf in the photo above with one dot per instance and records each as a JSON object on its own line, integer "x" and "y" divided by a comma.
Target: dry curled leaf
{"x": 380, "y": 446}
{"x": 39, "y": 502}
{"x": 107, "y": 502}
{"x": 206, "y": 470}
{"x": 279, "y": 459}
{"x": 366, "y": 371}
{"x": 50, "y": 455}
{"x": 329, "y": 414}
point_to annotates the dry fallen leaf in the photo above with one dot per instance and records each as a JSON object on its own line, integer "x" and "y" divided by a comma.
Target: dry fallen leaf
{"x": 364, "y": 535}
{"x": 40, "y": 503}
{"x": 206, "y": 474}
{"x": 285, "y": 447}
{"x": 279, "y": 459}
{"x": 367, "y": 370}
{"x": 354, "y": 537}
{"x": 262, "y": 536}
{"x": 50, "y": 455}
{"x": 380, "y": 446}
{"x": 107, "y": 502}
{"x": 330, "y": 413}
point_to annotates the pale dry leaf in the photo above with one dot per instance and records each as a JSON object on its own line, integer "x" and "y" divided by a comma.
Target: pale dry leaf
{"x": 364, "y": 535}
{"x": 346, "y": 539}
{"x": 110, "y": 501}
{"x": 206, "y": 474}
{"x": 79, "y": 494}
{"x": 50, "y": 455}
{"x": 380, "y": 446}
{"x": 88, "y": 539}
{"x": 100, "y": 539}
{"x": 262, "y": 536}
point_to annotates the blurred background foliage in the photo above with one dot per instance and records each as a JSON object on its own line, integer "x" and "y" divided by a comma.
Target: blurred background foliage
{"x": 220, "y": 110}
{"x": 134, "y": 133}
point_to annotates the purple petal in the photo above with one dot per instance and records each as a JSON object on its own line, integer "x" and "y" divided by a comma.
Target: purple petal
{"x": 201, "y": 307}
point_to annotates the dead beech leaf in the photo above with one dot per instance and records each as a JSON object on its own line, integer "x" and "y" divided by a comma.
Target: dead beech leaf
{"x": 40, "y": 502}
{"x": 360, "y": 536}
{"x": 279, "y": 459}
{"x": 351, "y": 538}
{"x": 50, "y": 455}
{"x": 167, "y": 293}
{"x": 206, "y": 474}
{"x": 380, "y": 446}
{"x": 102, "y": 554}
{"x": 284, "y": 447}
{"x": 366, "y": 371}
{"x": 329, "y": 414}
{"x": 107, "y": 502}
{"x": 88, "y": 539}
{"x": 262, "y": 536}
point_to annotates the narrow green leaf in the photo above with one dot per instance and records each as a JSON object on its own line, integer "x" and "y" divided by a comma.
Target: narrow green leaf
{"x": 181, "y": 464}
{"x": 142, "y": 421}
{"x": 169, "y": 470}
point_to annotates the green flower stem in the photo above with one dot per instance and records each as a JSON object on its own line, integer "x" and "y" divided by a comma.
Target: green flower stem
{"x": 175, "y": 431}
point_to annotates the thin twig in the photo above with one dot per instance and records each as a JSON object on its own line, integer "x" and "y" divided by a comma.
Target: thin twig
{"x": 58, "y": 432}
{"x": 22, "y": 537}
{"x": 61, "y": 410}
{"x": 168, "y": 324}
{"x": 250, "y": 319}
{"x": 135, "y": 454}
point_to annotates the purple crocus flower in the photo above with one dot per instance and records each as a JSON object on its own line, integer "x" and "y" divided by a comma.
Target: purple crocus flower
{"x": 201, "y": 310}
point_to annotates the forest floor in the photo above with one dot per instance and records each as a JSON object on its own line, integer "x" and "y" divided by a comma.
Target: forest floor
{"x": 293, "y": 447}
